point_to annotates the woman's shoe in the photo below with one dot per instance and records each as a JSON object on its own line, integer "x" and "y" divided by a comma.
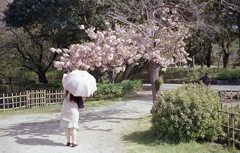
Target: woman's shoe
{"x": 68, "y": 143}
{"x": 74, "y": 145}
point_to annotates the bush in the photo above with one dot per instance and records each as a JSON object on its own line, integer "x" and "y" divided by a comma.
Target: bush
{"x": 53, "y": 85}
{"x": 54, "y": 75}
{"x": 108, "y": 91}
{"x": 40, "y": 86}
{"x": 131, "y": 86}
{"x": 188, "y": 113}
{"x": 235, "y": 74}
{"x": 159, "y": 81}
{"x": 225, "y": 74}
{"x": 35, "y": 86}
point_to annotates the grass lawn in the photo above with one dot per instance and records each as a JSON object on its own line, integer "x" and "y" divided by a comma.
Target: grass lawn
{"x": 140, "y": 139}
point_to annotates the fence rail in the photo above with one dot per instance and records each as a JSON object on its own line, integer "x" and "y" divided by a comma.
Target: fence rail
{"x": 30, "y": 98}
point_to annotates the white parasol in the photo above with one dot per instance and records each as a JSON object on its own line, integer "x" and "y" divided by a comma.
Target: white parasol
{"x": 80, "y": 83}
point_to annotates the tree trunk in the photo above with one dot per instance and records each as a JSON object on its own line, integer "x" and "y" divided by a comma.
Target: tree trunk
{"x": 209, "y": 56}
{"x": 202, "y": 60}
{"x": 154, "y": 74}
{"x": 127, "y": 71}
{"x": 192, "y": 64}
{"x": 225, "y": 55}
{"x": 225, "y": 60}
{"x": 42, "y": 77}
{"x": 117, "y": 78}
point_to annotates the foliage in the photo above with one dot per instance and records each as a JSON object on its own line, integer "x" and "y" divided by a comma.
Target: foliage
{"x": 131, "y": 86}
{"x": 215, "y": 73}
{"x": 159, "y": 82}
{"x": 35, "y": 26}
{"x": 54, "y": 75}
{"x": 39, "y": 86}
{"x": 188, "y": 113}
{"x": 228, "y": 74}
{"x": 58, "y": 20}
{"x": 108, "y": 91}
{"x": 25, "y": 77}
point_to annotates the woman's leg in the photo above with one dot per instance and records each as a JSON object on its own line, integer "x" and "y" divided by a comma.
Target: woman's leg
{"x": 74, "y": 135}
{"x": 67, "y": 133}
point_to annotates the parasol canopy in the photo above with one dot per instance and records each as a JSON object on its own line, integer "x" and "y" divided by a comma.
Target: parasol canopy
{"x": 80, "y": 83}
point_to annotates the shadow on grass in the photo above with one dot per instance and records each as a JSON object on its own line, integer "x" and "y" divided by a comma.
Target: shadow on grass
{"x": 141, "y": 137}
{"x": 146, "y": 138}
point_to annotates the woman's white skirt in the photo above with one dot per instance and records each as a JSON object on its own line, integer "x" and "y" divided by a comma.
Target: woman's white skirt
{"x": 66, "y": 124}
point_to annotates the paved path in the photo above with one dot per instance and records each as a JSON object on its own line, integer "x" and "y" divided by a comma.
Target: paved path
{"x": 214, "y": 87}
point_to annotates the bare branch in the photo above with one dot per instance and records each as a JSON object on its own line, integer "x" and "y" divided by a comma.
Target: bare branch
{"x": 235, "y": 5}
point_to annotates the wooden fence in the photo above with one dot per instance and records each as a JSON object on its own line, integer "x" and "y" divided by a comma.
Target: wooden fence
{"x": 231, "y": 118}
{"x": 230, "y": 99}
{"x": 30, "y": 98}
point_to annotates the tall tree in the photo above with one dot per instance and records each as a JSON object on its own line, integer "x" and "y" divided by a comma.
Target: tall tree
{"x": 49, "y": 23}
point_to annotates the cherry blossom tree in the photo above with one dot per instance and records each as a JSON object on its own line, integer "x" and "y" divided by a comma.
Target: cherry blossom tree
{"x": 114, "y": 48}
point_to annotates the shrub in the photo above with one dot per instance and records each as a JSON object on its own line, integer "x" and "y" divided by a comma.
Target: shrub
{"x": 235, "y": 74}
{"x": 54, "y": 75}
{"x": 108, "y": 91}
{"x": 39, "y": 86}
{"x": 188, "y": 113}
{"x": 130, "y": 86}
{"x": 159, "y": 81}
{"x": 35, "y": 86}
{"x": 53, "y": 85}
{"x": 224, "y": 74}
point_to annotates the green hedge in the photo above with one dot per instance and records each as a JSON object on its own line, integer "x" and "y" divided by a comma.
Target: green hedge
{"x": 38, "y": 86}
{"x": 228, "y": 74}
{"x": 215, "y": 73}
{"x": 188, "y": 113}
{"x": 108, "y": 91}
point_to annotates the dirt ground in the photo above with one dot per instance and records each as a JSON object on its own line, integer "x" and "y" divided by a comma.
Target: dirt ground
{"x": 101, "y": 129}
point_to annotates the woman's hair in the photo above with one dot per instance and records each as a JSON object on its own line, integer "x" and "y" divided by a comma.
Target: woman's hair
{"x": 72, "y": 97}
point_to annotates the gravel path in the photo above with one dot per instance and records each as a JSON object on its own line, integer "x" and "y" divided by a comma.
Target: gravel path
{"x": 100, "y": 129}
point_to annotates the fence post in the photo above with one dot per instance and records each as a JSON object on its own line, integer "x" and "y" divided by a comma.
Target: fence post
{"x": 45, "y": 98}
{"x": 228, "y": 126}
{"x": 12, "y": 102}
{"x": 3, "y": 103}
{"x": 233, "y": 132}
{"x": 26, "y": 98}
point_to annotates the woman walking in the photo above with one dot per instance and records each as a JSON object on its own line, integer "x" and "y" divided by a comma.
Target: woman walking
{"x": 69, "y": 118}
{"x": 77, "y": 85}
